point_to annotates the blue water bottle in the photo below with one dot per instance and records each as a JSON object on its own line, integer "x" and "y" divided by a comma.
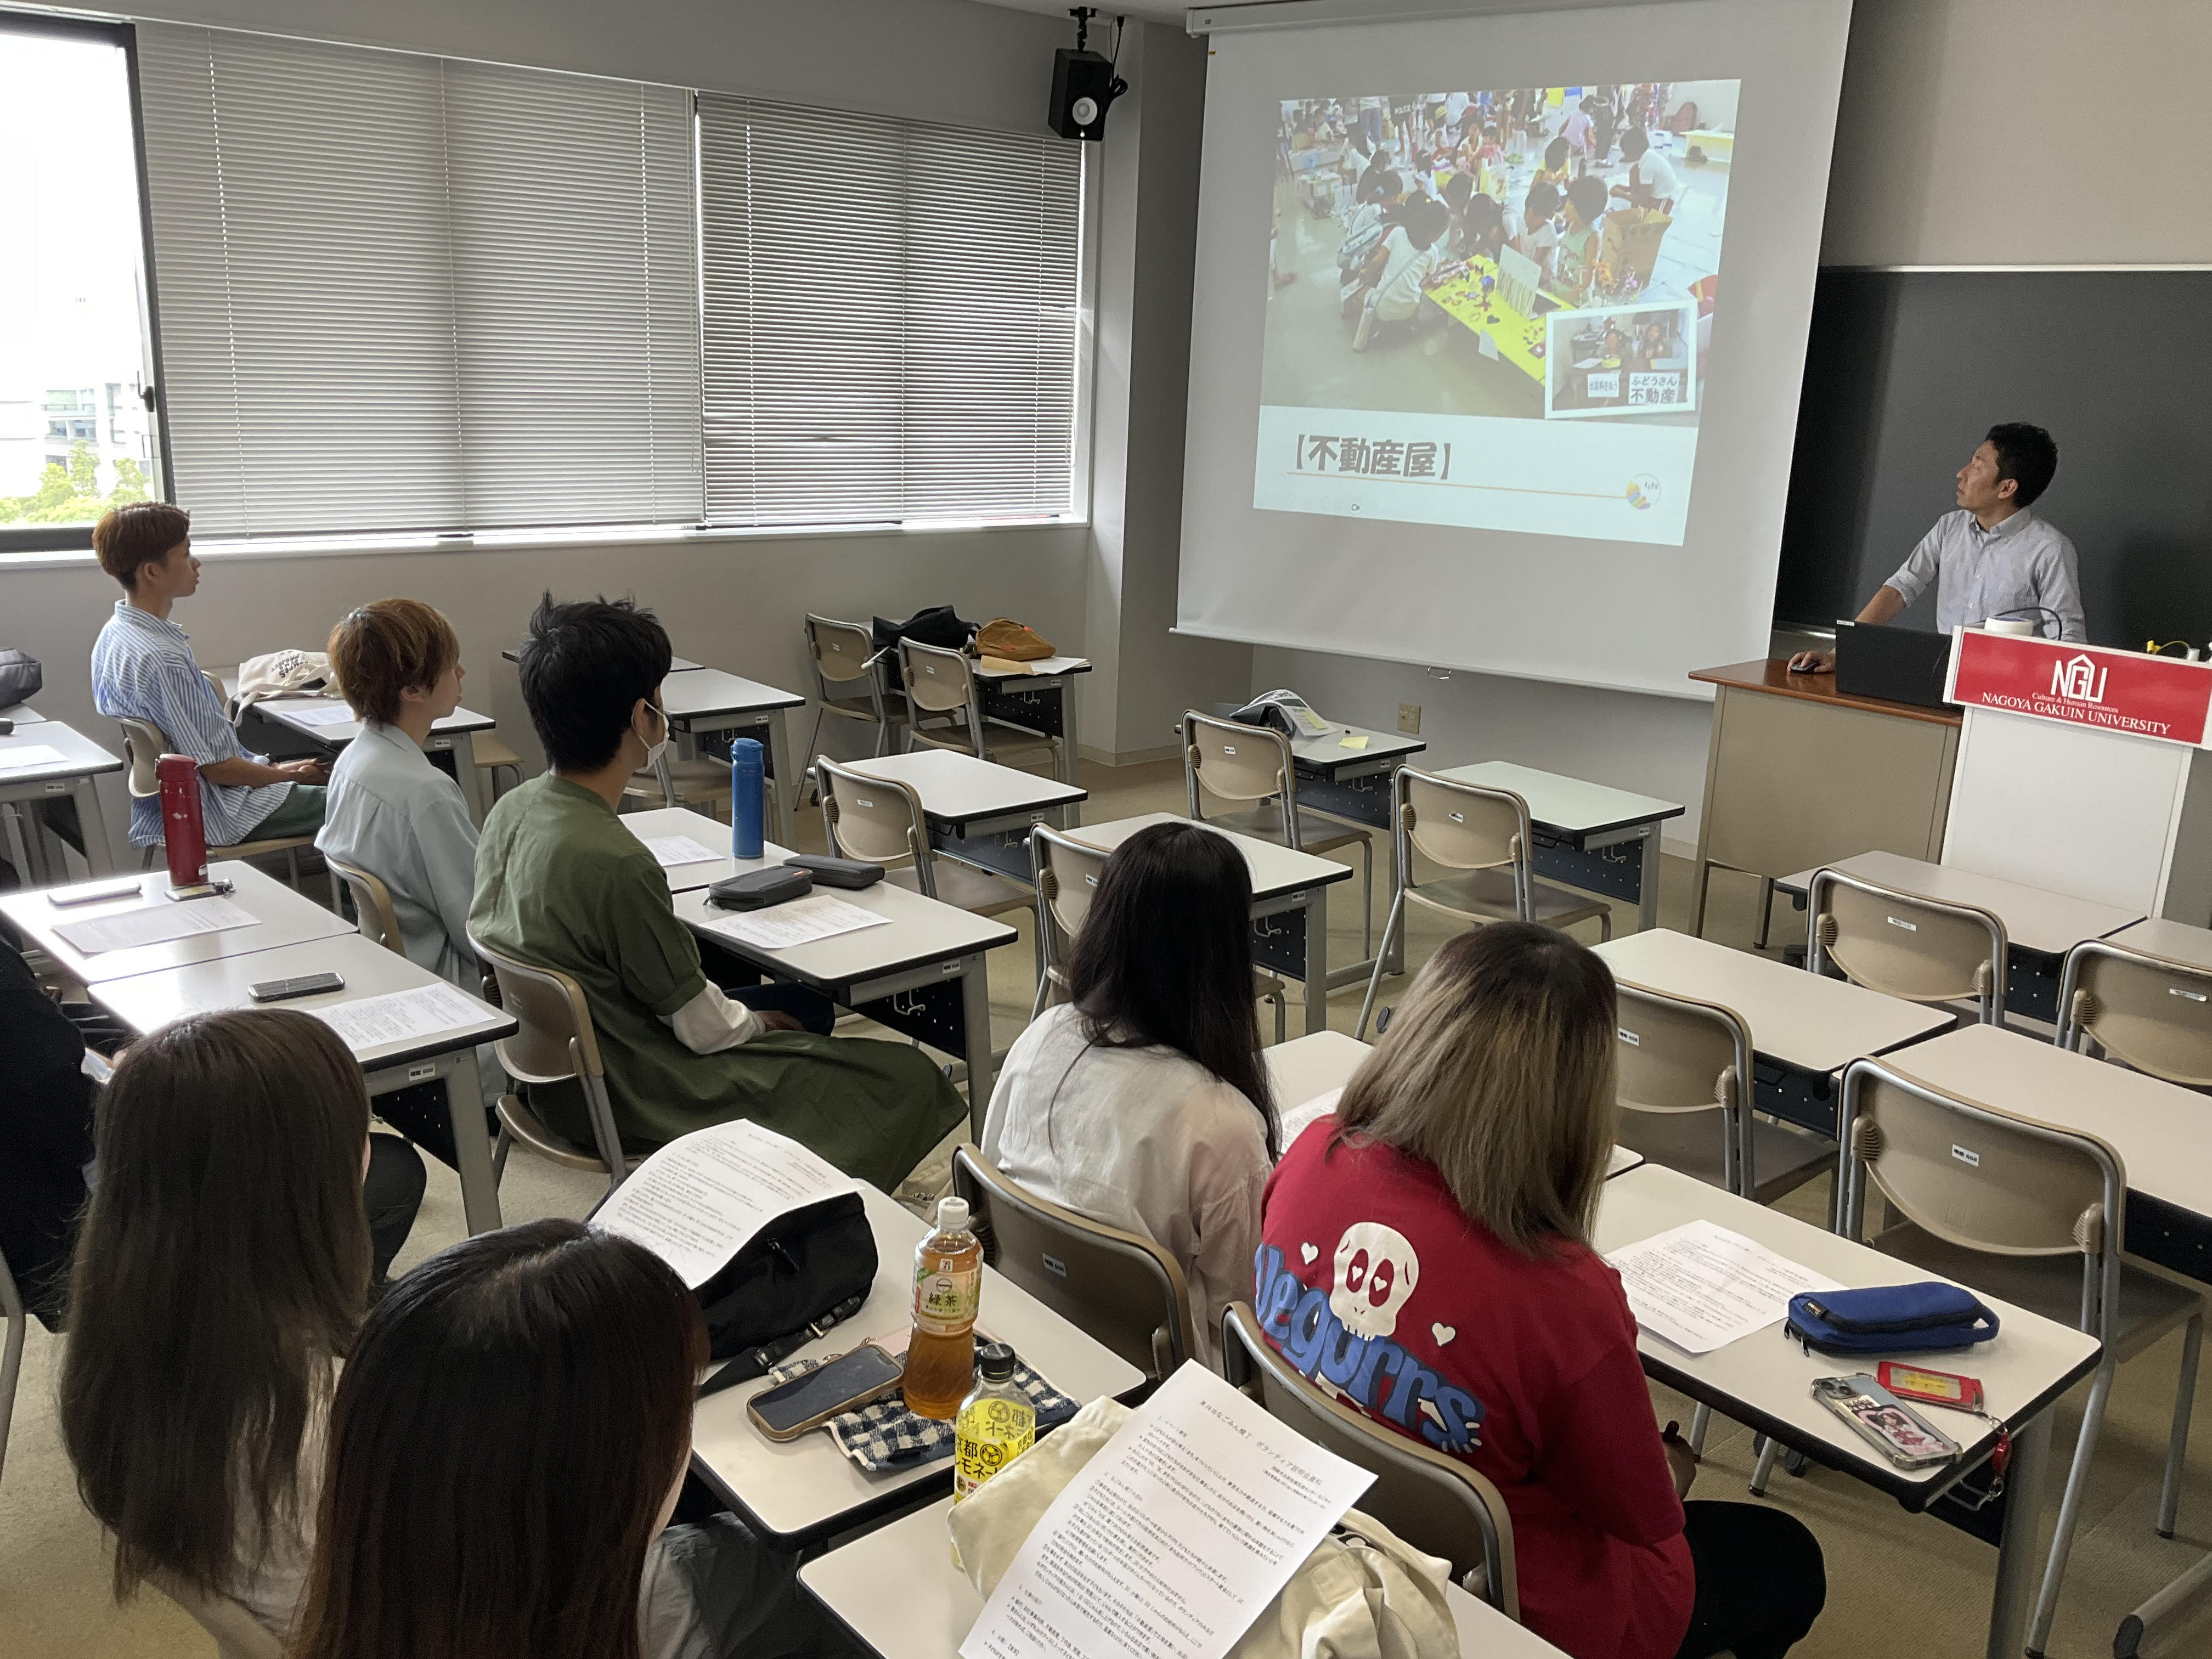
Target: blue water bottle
{"x": 746, "y": 799}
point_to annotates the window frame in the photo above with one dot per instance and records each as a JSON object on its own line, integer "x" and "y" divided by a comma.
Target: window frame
{"x": 78, "y": 537}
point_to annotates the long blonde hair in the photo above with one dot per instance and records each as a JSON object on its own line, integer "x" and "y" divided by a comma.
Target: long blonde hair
{"x": 1498, "y": 1070}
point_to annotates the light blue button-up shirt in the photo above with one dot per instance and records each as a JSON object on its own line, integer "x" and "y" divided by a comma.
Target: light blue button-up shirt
{"x": 1980, "y": 573}
{"x": 394, "y": 814}
{"x": 143, "y": 667}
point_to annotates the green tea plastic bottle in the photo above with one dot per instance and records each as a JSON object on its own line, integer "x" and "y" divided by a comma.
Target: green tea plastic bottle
{"x": 948, "y": 1285}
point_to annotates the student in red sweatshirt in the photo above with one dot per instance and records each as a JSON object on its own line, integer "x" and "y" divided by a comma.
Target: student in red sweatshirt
{"x": 1424, "y": 1255}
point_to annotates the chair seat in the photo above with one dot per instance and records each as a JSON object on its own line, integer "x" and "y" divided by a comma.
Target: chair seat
{"x": 490, "y": 752}
{"x": 999, "y": 737}
{"x": 690, "y": 779}
{"x": 520, "y": 1120}
{"x": 861, "y": 708}
{"x": 1784, "y": 1158}
{"x": 1266, "y": 822}
{"x": 2049, "y": 1284}
{"x": 1487, "y": 895}
{"x": 966, "y": 887}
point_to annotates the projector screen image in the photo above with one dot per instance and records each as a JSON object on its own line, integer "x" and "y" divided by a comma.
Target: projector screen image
{"x": 1492, "y": 308}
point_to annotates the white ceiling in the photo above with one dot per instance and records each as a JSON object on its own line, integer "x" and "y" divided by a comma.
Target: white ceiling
{"x": 1156, "y": 11}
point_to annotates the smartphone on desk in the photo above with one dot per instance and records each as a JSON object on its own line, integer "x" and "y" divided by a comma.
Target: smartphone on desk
{"x": 1885, "y": 1422}
{"x": 846, "y": 1383}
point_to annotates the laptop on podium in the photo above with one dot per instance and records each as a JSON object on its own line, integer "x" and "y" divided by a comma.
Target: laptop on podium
{"x": 1898, "y": 664}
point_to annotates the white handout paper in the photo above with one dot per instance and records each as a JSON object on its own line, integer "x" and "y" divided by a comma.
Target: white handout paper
{"x": 699, "y": 1200}
{"x": 672, "y": 850}
{"x": 1174, "y": 1538}
{"x": 1701, "y": 1286}
{"x": 154, "y": 924}
{"x": 798, "y": 921}
{"x": 428, "y": 1011}
{"x": 23, "y": 757}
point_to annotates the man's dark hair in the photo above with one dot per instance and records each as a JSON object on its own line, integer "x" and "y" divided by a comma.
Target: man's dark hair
{"x": 584, "y": 665}
{"x": 1634, "y": 143}
{"x": 2027, "y": 455}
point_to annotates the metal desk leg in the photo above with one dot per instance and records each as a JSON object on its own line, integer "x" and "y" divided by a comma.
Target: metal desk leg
{"x": 1316, "y": 912}
{"x": 1647, "y": 882}
{"x": 1068, "y": 729}
{"x": 92, "y": 824}
{"x": 2019, "y": 1563}
{"x": 786, "y": 778}
{"x": 471, "y": 1145}
{"x": 975, "y": 1015}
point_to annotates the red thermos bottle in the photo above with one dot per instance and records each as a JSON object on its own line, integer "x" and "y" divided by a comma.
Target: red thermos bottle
{"x": 184, "y": 831}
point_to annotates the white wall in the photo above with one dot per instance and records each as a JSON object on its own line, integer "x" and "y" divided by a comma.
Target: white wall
{"x": 1970, "y": 131}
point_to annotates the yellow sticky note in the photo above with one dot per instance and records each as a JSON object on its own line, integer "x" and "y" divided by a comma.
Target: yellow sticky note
{"x": 1356, "y": 742}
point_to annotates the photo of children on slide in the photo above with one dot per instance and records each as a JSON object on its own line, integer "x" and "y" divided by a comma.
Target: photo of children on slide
{"x": 1542, "y": 252}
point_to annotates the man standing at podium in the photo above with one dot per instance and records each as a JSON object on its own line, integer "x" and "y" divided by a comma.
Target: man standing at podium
{"x": 1992, "y": 557}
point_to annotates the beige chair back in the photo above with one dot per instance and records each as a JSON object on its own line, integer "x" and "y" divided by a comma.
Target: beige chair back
{"x": 555, "y": 1043}
{"x": 1120, "y": 1289}
{"x": 1922, "y": 950}
{"x": 1435, "y": 1503}
{"x": 1067, "y": 873}
{"x": 143, "y": 745}
{"x": 843, "y": 651}
{"x": 238, "y": 1634}
{"x": 877, "y": 820}
{"x": 371, "y": 904}
{"x": 2154, "y": 1014}
{"x": 1677, "y": 1054}
{"x": 1984, "y": 1180}
{"x": 1462, "y": 826}
{"x": 938, "y": 681}
{"x": 1231, "y": 761}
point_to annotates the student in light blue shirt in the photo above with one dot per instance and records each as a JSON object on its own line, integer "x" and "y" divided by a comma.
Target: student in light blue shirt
{"x": 142, "y": 668}
{"x": 392, "y": 812}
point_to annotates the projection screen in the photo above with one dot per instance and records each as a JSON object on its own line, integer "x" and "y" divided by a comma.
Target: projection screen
{"x": 1498, "y": 331}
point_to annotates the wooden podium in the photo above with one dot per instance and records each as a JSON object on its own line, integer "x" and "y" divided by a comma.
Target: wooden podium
{"x": 2083, "y": 771}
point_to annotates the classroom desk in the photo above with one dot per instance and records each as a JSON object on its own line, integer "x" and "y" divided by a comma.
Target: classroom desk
{"x": 22, "y": 713}
{"x": 980, "y": 812}
{"x": 1804, "y": 1029}
{"x": 285, "y": 918}
{"x": 1290, "y": 903}
{"x": 666, "y": 821}
{"x": 676, "y": 664}
{"x": 31, "y": 789}
{"x": 146, "y": 1002}
{"x": 802, "y": 1491}
{"x": 2172, "y": 941}
{"x": 923, "y": 976}
{"x": 448, "y": 748}
{"x": 707, "y": 703}
{"x": 1798, "y": 775}
{"x": 1041, "y": 697}
{"x": 1765, "y": 1380}
{"x": 897, "y": 1590}
{"x": 2040, "y": 927}
{"x": 1588, "y": 837}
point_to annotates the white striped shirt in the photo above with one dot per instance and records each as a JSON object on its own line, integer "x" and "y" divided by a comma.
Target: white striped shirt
{"x": 143, "y": 667}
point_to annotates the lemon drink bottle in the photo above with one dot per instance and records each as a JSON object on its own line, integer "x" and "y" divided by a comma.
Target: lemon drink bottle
{"x": 997, "y": 1424}
{"x": 948, "y": 1283}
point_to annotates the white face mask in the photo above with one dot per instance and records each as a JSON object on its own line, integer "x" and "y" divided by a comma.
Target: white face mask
{"x": 654, "y": 751}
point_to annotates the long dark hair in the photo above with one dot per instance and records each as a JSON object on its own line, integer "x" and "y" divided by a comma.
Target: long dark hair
{"x": 1164, "y": 958}
{"x": 221, "y": 1270}
{"x": 515, "y": 1410}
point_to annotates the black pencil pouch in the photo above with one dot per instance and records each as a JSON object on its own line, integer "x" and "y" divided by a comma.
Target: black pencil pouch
{"x": 757, "y": 890}
{"x": 851, "y": 873}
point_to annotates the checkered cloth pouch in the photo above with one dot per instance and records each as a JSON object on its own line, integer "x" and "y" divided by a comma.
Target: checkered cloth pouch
{"x": 886, "y": 1435}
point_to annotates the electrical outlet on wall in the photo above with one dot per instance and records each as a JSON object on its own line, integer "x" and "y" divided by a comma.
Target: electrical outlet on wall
{"x": 1409, "y": 718}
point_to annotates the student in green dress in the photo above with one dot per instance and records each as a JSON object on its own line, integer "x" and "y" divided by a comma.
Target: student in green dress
{"x": 561, "y": 884}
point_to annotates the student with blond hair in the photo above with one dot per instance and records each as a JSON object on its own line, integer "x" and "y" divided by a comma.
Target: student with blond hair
{"x": 1426, "y": 1254}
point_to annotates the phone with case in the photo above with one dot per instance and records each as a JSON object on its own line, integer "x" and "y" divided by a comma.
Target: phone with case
{"x": 1885, "y": 1422}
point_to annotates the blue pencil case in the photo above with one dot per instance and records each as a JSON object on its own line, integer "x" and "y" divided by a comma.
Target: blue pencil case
{"x": 1926, "y": 1317}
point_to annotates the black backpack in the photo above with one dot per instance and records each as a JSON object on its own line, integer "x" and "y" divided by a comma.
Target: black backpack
{"x": 936, "y": 625}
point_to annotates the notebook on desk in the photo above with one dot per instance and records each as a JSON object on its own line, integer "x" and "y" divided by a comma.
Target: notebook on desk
{"x": 1898, "y": 664}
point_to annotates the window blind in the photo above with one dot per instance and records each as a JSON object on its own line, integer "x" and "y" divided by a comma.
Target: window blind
{"x": 404, "y": 291}
{"x": 889, "y": 318}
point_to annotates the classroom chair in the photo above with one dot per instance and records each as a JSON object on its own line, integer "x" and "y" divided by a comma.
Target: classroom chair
{"x": 2144, "y": 1011}
{"x": 848, "y": 681}
{"x": 143, "y": 745}
{"x": 237, "y": 1633}
{"x": 494, "y": 756}
{"x": 2039, "y": 1220}
{"x": 1922, "y": 950}
{"x": 1434, "y": 1503}
{"x": 1679, "y": 1061}
{"x": 880, "y": 821}
{"x": 555, "y": 1043}
{"x": 944, "y": 707}
{"x": 11, "y": 1358}
{"x": 1485, "y": 837}
{"x": 1066, "y": 876}
{"x": 1118, "y": 1288}
{"x": 1233, "y": 761}
{"x": 372, "y": 905}
{"x": 702, "y": 784}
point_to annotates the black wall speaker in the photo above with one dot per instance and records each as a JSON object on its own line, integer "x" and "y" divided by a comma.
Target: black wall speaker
{"x": 1083, "y": 85}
